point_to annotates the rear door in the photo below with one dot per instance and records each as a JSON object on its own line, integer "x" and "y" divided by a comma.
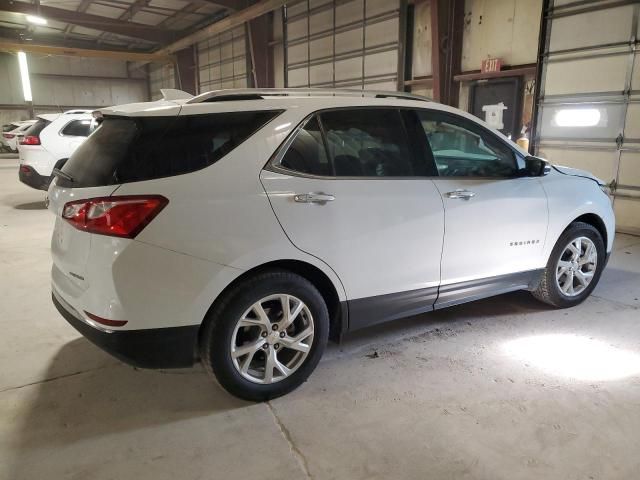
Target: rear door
{"x": 351, "y": 191}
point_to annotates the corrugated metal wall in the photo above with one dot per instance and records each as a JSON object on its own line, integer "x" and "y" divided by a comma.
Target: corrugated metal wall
{"x": 589, "y": 115}
{"x": 62, "y": 82}
{"x": 161, "y": 76}
{"x": 222, "y": 61}
{"x": 336, "y": 43}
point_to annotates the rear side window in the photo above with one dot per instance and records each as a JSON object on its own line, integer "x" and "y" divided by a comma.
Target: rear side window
{"x": 77, "y": 128}
{"x": 368, "y": 143}
{"x": 134, "y": 149}
{"x": 35, "y": 129}
{"x": 307, "y": 153}
{"x": 361, "y": 142}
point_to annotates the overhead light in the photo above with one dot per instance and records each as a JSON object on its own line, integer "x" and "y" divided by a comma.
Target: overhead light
{"x": 577, "y": 117}
{"x": 24, "y": 76}
{"x": 36, "y": 20}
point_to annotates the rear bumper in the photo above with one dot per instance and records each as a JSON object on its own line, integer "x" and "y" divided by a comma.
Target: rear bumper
{"x": 30, "y": 177}
{"x": 172, "y": 347}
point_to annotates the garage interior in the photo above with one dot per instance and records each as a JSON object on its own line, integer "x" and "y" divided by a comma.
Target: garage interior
{"x": 500, "y": 388}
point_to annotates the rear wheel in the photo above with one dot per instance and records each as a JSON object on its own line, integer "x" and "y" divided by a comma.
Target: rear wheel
{"x": 265, "y": 336}
{"x": 574, "y": 267}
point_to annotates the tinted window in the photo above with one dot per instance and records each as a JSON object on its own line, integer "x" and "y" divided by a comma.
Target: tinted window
{"x": 368, "y": 142}
{"x": 133, "y": 149}
{"x": 35, "y": 129}
{"x": 462, "y": 149}
{"x": 307, "y": 153}
{"x": 8, "y": 127}
{"x": 77, "y": 128}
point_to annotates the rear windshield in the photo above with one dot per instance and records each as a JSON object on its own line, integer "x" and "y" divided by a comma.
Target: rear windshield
{"x": 35, "y": 129}
{"x": 8, "y": 127}
{"x": 132, "y": 149}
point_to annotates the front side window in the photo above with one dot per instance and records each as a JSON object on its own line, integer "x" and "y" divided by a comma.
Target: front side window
{"x": 77, "y": 128}
{"x": 461, "y": 149}
{"x": 368, "y": 143}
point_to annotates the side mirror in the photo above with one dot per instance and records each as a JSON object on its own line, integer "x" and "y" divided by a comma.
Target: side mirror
{"x": 536, "y": 167}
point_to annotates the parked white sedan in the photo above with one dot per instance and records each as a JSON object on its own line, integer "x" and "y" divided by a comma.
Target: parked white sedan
{"x": 246, "y": 227}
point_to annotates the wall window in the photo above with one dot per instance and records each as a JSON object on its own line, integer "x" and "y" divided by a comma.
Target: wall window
{"x": 461, "y": 149}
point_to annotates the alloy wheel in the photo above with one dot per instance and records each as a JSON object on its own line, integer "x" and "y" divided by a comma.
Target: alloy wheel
{"x": 272, "y": 339}
{"x": 576, "y": 266}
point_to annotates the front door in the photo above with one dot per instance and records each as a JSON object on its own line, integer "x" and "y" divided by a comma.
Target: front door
{"x": 350, "y": 191}
{"x": 495, "y": 218}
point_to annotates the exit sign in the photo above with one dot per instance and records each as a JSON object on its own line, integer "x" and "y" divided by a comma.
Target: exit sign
{"x": 490, "y": 65}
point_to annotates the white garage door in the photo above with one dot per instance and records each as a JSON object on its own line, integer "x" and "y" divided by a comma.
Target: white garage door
{"x": 336, "y": 43}
{"x": 589, "y": 114}
{"x": 222, "y": 61}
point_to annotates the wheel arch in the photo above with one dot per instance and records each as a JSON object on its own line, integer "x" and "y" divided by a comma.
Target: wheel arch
{"x": 595, "y": 221}
{"x": 338, "y": 313}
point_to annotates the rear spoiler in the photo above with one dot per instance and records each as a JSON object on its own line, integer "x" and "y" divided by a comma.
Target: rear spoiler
{"x": 170, "y": 94}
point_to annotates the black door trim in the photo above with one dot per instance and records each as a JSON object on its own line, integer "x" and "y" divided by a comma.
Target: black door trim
{"x": 368, "y": 311}
{"x": 364, "y": 312}
{"x": 462, "y": 292}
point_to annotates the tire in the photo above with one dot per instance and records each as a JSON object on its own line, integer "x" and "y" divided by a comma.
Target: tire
{"x": 549, "y": 290}
{"x": 222, "y": 333}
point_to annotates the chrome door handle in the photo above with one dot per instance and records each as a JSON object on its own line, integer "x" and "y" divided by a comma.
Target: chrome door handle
{"x": 319, "y": 197}
{"x": 463, "y": 194}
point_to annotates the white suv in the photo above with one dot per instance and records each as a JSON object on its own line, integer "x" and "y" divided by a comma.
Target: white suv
{"x": 246, "y": 227}
{"x": 49, "y": 143}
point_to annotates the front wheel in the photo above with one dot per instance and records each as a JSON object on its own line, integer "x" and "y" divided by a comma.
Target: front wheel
{"x": 574, "y": 267}
{"x": 266, "y": 335}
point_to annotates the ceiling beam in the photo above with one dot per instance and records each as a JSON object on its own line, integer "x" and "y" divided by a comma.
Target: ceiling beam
{"x": 105, "y": 24}
{"x": 232, "y": 21}
{"x": 228, "y": 4}
{"x": 7, "y": 45}
{"x": 26, "y": 36}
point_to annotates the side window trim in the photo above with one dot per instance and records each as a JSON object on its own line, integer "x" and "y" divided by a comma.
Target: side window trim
{"x": 477, "y": 128}
{"x": 327, "y": 151}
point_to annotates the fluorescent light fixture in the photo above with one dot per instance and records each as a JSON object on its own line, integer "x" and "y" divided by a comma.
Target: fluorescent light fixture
{"x": 577, "y": 117}
{"x": 24, "y": 76}
{"x": 573, "y": 356}
{"x": 36, "y": 20}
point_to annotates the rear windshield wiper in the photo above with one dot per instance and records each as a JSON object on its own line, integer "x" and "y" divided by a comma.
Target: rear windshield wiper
{"x": 59, "y": 173}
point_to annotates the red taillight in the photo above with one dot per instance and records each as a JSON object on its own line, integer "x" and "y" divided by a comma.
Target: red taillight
{"x": 123, "y": 216}
{"x": 8, "y": 135}
{"x": 30, "y": 140}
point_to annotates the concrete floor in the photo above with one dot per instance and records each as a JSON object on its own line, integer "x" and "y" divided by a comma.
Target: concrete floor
{"x": 500, "y": 389}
